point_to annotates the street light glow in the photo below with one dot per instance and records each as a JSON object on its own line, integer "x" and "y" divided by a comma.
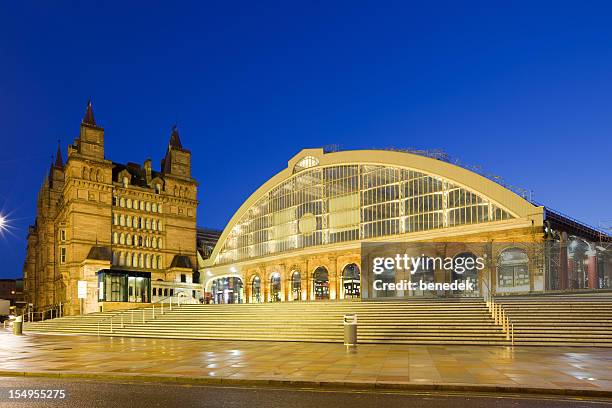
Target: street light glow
{"x": 3, "y": 223}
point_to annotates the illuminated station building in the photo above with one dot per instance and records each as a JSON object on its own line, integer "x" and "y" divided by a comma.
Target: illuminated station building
{"x": 300, "y": 236}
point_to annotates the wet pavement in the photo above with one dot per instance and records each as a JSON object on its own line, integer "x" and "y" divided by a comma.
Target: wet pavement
{"x": 554, "y": 368}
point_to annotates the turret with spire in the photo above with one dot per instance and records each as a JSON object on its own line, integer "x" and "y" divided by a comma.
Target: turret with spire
{"x": 177, "y": 161}
{"x": 91, "y": 138}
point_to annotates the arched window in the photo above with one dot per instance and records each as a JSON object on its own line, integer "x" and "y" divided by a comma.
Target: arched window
{"x": 166, "y": 292}
{"x": 122, "y": 202}
{"x": 121, "y": 258}
{"x": 128, "y": 259}
{"x": 147, "y": 261}
{"x": 154, "y": 242}
{"x": 275, "y": 287}
{"x": 351, "y": 281}
{"x": 159, "y": 210}
{"x": 321, "y": 283}
{"x": 142, "y": 205}
{"x": 296, "y": 285}
{"x": 121, "y": 220}
{"x": 135, "y": 222}
{"x": 148, "y": 224}
{"x": 154, "y": 225}
{"x": 128, "y": 221}
{"x": 513, "y": 270}
{"x": 135, "y": 260}
{"x": 128, "y": 239}
{"x": 154, "y": 207}
{"x": 147, "y": 242}
{"x": 581, "y": 269}
{"x": 115, "y": 238}
{"x": 135, "y": 205}
{"x": 122, "y": 239}
{"x": 148, "y": 206}
{"x": 159, "y": 262}
{"x": 159, "y": 243}
{"x": 154, "y": 262}
{"x": 256, "y": 289}
{"x": 141, "y": 261}
{"x": 129, "y": 203}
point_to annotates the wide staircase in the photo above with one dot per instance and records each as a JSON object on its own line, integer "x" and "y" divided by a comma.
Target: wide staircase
{"x": 559, "y": 320}
{"x": 569, "y": 320}
{"x": 400, "y": 322}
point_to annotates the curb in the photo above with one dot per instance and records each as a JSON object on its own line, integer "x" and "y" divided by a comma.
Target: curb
{"x": 455, "y": 387}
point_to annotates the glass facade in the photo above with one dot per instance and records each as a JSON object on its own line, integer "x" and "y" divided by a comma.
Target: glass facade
{"x": 124, "y": 286}
{"x": 324, "y": 205}
{"x": 227, "y": 290}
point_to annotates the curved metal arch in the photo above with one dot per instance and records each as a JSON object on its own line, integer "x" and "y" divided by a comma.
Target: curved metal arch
{"x": 495, "y": 193}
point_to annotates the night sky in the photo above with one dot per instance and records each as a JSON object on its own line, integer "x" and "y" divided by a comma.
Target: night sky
{"x": 523, "y": 90}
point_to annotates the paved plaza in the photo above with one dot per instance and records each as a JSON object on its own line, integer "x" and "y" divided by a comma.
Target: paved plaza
{"x": 531, "y": 369}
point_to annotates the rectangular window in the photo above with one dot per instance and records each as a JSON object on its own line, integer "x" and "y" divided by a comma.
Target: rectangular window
{"x": 62, "y": 255}
{"x": 62, "y": 235}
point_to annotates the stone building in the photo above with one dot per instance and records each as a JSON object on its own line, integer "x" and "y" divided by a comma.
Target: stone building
{"x": 127, "y": 230}
{"x": 310, "y": 232}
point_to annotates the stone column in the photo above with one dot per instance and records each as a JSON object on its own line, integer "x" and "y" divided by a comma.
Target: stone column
{"x": 592, "y": 265}
{"x": 562, "y": 273}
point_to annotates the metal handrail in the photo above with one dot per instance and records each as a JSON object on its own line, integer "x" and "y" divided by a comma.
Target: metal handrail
{"x": 144, "y": 309}
{"x": 501, "y": 319}
{"x": 57, "y": 308}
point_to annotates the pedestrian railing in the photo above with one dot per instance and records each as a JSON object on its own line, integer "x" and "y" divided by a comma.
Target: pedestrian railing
{"x": 500, "y": 316}
{"x": 140, "y": 315}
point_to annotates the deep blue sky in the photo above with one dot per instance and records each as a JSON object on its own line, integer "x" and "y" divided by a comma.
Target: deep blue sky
{"x": 524, "y": 90}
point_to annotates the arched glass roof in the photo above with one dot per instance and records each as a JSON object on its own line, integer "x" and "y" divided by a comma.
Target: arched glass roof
{"x": 321, "y": 205}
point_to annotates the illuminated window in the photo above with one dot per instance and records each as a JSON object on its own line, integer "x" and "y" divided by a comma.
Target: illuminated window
{"x": 305, "y": 163}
